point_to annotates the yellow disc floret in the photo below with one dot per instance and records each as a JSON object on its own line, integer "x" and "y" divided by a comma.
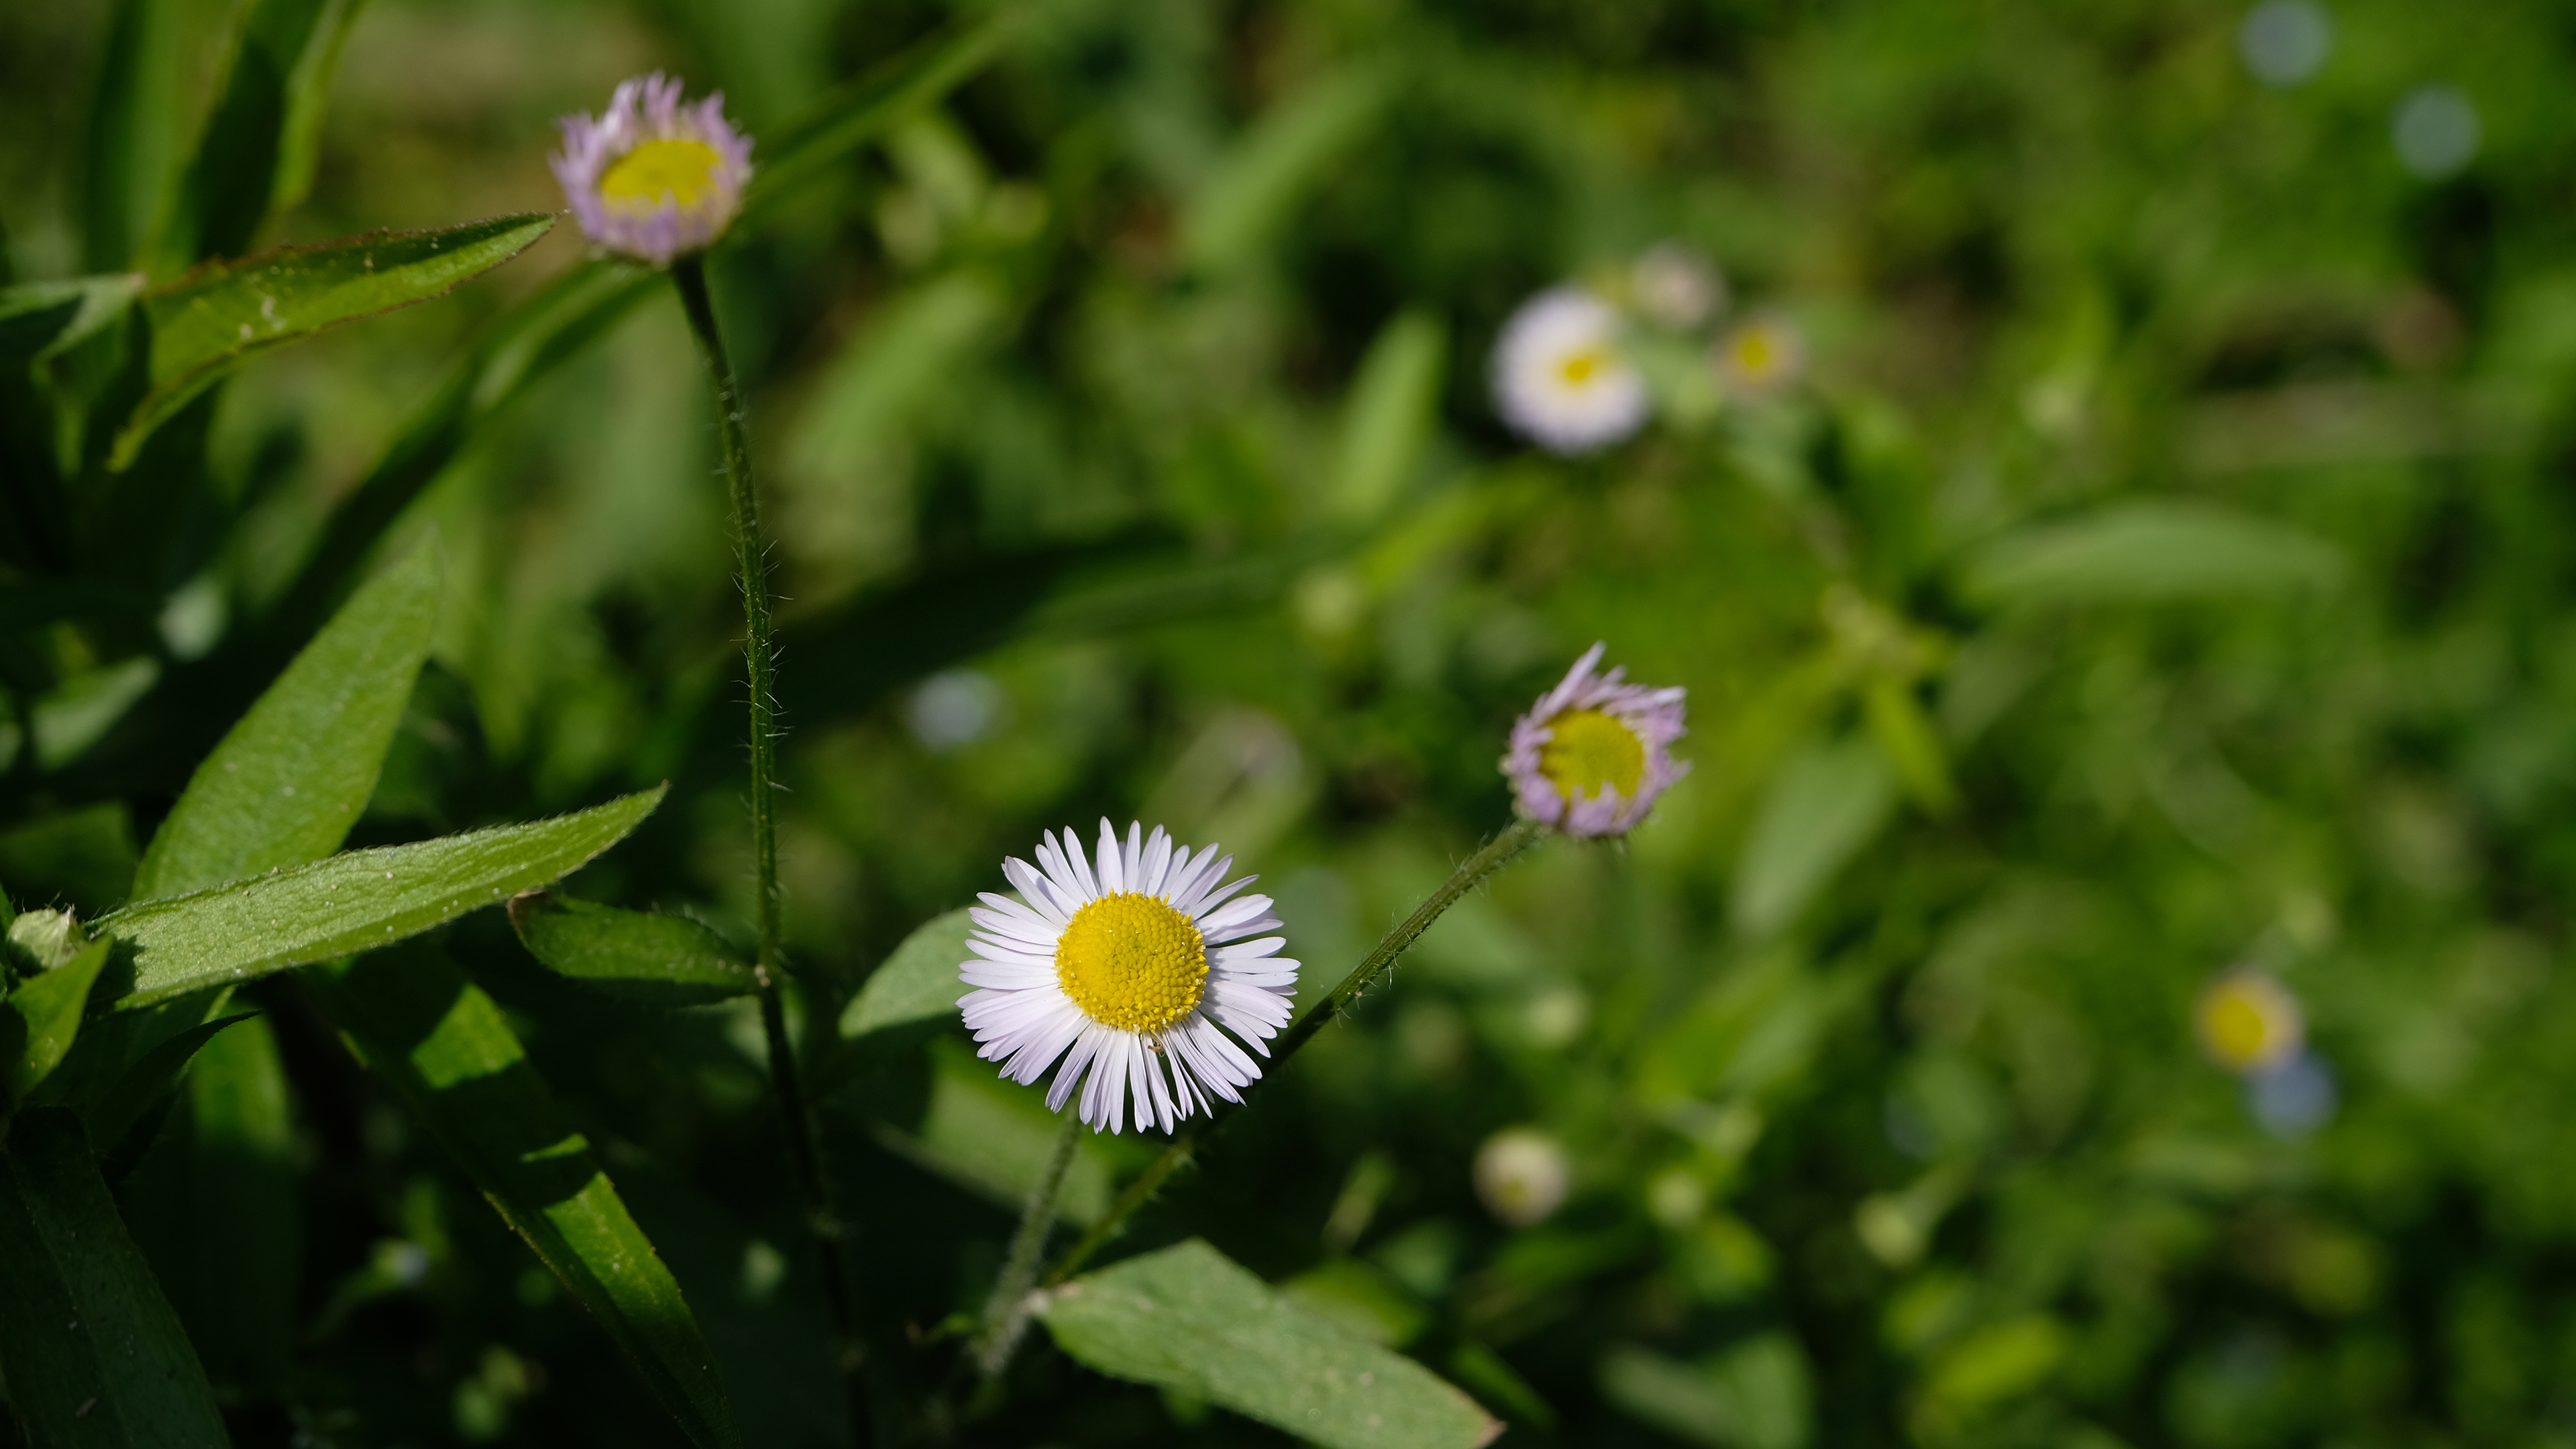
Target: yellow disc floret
{"x": 684, "y": 171}
{"x": 2249, "y": 1024}
{"x": 1588, "y": 750}
{"x": 1578, "y": 367}
{"x": 1132, "y": 962}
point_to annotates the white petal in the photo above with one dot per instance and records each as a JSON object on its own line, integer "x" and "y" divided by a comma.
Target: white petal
{"x": 1158, "y": 860}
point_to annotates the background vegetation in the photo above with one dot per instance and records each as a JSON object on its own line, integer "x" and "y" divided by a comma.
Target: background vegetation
{"x": 2163, "y": 567}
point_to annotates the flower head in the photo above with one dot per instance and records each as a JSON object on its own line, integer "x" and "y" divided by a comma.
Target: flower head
{"x": 1126, "y": 972}
{"x": 1522, "y": 1175}
{"x": 1559, "y": 377}
{"x": 1591, "y": 756}
{"x": 651, "y": 178}
{"x": 1676, "y": 287}
{"x": 1762, "y": 356}
{"x": 2250, "y": 1023}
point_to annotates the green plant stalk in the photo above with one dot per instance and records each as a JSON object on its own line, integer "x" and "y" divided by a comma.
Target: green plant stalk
{"x": 1006, "y": 1314}
{"x": 760, "y": 663}
{"x": 1470, "y": 873}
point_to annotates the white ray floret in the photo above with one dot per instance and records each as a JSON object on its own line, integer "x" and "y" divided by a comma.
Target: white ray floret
{"x": 1126, "y": 970}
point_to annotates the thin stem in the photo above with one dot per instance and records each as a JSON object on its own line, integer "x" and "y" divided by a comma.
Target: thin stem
{"x": 769, "y": 970}
{"x": 1006, "y": 1316}
{"x": 1497, "y": 852}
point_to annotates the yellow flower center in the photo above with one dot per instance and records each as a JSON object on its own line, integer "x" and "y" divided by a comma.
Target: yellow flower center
{"x": 682, "y": 170}
{"x": 2242, "y": 1022}
{"x": 1580, "y": 367}
{"x": 1132, "y": 962}
{"x": 1754, "y": 353}
{"x": 1588, "y": 750}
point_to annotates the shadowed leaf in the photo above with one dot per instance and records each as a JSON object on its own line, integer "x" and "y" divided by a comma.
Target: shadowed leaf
{"x": 659, "y": 960}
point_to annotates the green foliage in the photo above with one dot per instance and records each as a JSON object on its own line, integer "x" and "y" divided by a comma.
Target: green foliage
{"x": 209, "y": 322}
{"x": 663, "y": 960}
{"x": 39, "y": 1020}
{"x": 286, "y": 784}
{"x": 93, "y": 1354}
{"x": 444, "y": 1048}
{"x": 1189, "y": 1320}
{"x": 356, "y": 901}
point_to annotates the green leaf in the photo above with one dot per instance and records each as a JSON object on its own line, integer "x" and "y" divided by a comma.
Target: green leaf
{"x": 225, "y": 193}
{"x": 1284, "y": 156}
{"x": 445, "y": 1049}
{"x": 207, "y": 323}
{"x": 40, "y": 1019}
{"x": 355, "y": 901}
{"x": 916, "y": 986}
{"x": 1754, "y": 1395}
{"x": 134, "y": 124}
{"x": 1394, "y": 404}
{"x": 291, "y": 778}
{"x": 873, "y": 104}
{"x": 1189, "y": 1320}
{"x": 1825, "y": 804}
{"x": 658, "y": 960}
{"x": 156, "y": 1056}
{"x": 39, "y": 319}
{"x": 91, "y": 1351}
{"x": 995, "y": 1138}
{"x": 2149, "y": 551}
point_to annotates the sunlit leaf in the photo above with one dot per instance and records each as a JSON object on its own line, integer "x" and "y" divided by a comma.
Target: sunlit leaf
{"x": 291, "y": 778}
{"x": 2149, "y": 551}
{"x": 210, "y": 321}
{"x": 916, "y": 986}
{"x": 659, "y": 960}
{"x": 91, "y": 1351}
{"x": 446, "y": 1050}
{"x": 1190, "y": 1320}
{"x": 40, "y": 1020}
{"x": 37, "y": 318}
{"x": 351, "y": 902}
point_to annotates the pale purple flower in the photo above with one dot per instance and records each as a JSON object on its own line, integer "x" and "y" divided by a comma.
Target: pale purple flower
{"x": 1591, "y": 756}
{"x": 651, "y": 178}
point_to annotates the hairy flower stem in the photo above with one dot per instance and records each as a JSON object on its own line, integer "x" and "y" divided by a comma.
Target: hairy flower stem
{"x": 1006, "y": 1315}
{"x": 760, "y": 663}
{"x": 1497, "y": 852}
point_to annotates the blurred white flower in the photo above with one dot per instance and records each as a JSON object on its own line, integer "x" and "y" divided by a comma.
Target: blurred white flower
{"x": 1522, "y": 1175}
{"x": 2285, "y": 41}
{"x": 953, "y": 708}
{"x": 1676, "y": 287}
{"x": 1559, "y": 378}
{"x": 2436, "y": 132}
{"x": 1124, "y": 965}
{"x": 1762, "y": 356}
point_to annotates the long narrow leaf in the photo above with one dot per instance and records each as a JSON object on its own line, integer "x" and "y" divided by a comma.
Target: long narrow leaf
{"x": 206, "y": 323}
{"x": 445, "y": 1049}
{"x": 91, "y": 1350}
{"x": 225, "y": 192}
{"x": 133, "y": 132}
{"x": 352, "y": 902}
{"x": 290, "y": 779}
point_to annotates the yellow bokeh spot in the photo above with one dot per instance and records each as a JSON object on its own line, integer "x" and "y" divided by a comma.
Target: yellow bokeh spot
{"x": 682, "y": 170}
{"x": 1589, "y": 750}
{"x": 1754, "y": 353}
{"x": 1581, "y": 367}
{"x": 2248, "y": 1023}
{"x": 1132, "y": 962}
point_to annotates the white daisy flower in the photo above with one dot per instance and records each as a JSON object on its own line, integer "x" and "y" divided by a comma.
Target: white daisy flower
{"x": 1126, "y": 973}
{"x": 1593, "y": 753}
{"x": 1559, "y": 377}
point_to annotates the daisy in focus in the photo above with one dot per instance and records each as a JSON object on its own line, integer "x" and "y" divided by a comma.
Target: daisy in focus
{"x": 1591, "y": 756}
{"x": 2249, "y": 1023}
{"x": 1559, "y": 378}
{"x": 653, "y": 179}
{"x": 1125, "y": 966}
{"x": 1762, "y": 356}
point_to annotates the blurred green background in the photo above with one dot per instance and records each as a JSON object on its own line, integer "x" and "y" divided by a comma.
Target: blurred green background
{"x": 2161, "y": 567}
